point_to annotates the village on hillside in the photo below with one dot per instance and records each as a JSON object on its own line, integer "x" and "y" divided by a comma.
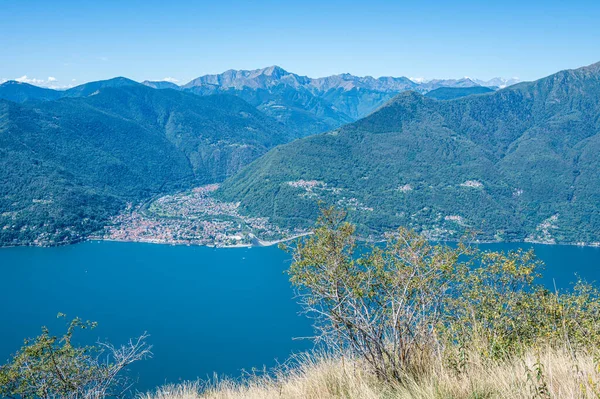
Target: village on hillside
{"x": 194, "y": 218}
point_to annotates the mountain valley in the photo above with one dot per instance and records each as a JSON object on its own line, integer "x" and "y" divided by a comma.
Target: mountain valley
{"x": 444, "y": 157}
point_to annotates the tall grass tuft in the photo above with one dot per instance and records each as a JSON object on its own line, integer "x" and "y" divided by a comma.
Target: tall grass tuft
{"x": 321, "y": 376}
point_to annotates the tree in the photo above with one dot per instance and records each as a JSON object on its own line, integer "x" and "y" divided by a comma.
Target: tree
{"x": 383, "y": 304}
{"x": 50, "y": 367}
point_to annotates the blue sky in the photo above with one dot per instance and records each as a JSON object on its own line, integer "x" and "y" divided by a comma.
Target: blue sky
{"x": 79, "y": 41}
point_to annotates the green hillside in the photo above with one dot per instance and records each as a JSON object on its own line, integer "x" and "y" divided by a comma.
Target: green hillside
{"x": 520, "y": 163}
{"x": 67, "y": 165}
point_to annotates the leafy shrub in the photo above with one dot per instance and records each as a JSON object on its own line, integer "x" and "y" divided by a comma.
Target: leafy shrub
{"x": 50, "y": 367}
{"x": 397, "y": 304}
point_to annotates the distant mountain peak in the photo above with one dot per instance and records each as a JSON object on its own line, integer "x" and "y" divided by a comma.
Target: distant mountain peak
{"x": 498, "y": 82}
{"x": 274, "y": 71}
{"x": 90, "y": 88}
{"x": 120, "y": 79}
{"x": 161, "y": 84}
{"x": 254, "y": 79}
{"x": 16, "y": 82}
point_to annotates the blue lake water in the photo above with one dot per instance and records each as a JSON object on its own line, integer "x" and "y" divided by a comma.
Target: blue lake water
{"x": 207, "y": 310}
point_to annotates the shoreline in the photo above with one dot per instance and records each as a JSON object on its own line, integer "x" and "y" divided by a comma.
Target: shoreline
{"x": 262, "y": 243}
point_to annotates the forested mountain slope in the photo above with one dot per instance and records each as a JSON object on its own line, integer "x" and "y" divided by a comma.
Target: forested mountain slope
{"x": 520, "y": 163}
{"x": 67, "y": 165}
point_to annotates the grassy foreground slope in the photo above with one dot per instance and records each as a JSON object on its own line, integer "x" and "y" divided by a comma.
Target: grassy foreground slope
{"x": 520, "y": 163}
{"x": 66, "y": 165}
{"x": 327, "y": 377}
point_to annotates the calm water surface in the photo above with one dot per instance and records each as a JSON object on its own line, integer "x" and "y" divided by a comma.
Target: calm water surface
{"x": 207, "y": 310}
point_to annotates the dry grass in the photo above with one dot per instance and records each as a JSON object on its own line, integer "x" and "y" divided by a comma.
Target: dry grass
{"x": 324, "y": 377}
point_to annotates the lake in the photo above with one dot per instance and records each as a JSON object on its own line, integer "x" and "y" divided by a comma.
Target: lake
{"x": 207, "y": 310}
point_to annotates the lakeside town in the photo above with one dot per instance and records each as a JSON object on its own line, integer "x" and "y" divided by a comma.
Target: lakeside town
{"x": 195, "y": 218}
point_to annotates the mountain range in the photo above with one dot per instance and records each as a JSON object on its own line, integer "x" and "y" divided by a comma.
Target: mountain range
{"x": 304, "y": 105}
{"x": 312, "y": 105}
{"x": 520, "y": 163}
